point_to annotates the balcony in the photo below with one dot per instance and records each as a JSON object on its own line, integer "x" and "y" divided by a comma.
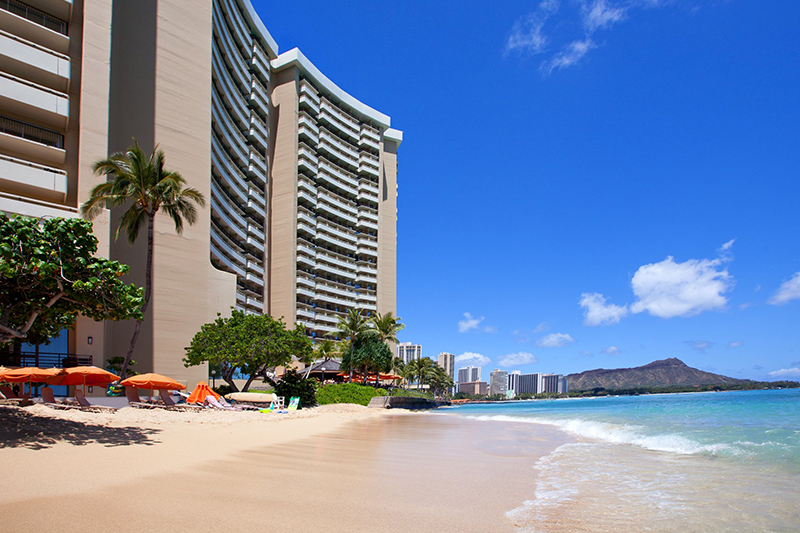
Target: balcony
{"x": 350, "y": 181}
{"x": 369, "y": 252}
{"x": 306, "y": 198}
{"x": 306, "y": 261}
{"x": 305, "y": 313}
{"x": 329, "y": 258}
{"x": 306, "y": 249}
{"x": 339, "y": 231}
{"x": 303, "y": 216}
{"x": 331, "y": 240}
{"x": 240, "y": 30}
{"x": 305, "y": 184}
{"x": 335, "y": 290}
{"x": 259, "y": 64}
{"x": 255, "y": 267}
{"x": 258, "y": 131}
{"x": 329, "y": 319}
{"x": 255, "y": 279}
{"x": 230, "y": 176}
{"x": 32, "y": 141}
{"x": 337, "y": 148}
{"x": 227, "y": 131}
{"x": 305, "y": 132}
{"x": 366, "y": 142}
{"x": 227, "y": 263}
{"x": 257, "y": 167}
{"x": 309, "y": 96}
{"x": 228, "y": 91}
{"x": 40, "y": 103}
{"x": 233, "y": 56}
{"x": 255, "y": 231}
{"x": 371, "y": 133}
{"x": 308, "y": 282}
{"x": 306, "y": 292}
{"x": 259, "y": 98}
{"x": 21, "y": 175}
{"x": 307, "y": 164}
{"x": 345, "y": 205}
{"x": 257, "y": 196}
{"x": 35, "y": 25}
{"x": 330, "y": 114}
{"x": 369, "y": 214}
{"x": 367, "y": 269}
{"x": 366, "y": 297}
{"x": 366, "y": 278}
{"x": 367, "y": 241}
{"x": 35, "y": 63}
{"x": 330, "y": 269}
{"x": 328, "y": 298}
{"x": 368, "y": 224}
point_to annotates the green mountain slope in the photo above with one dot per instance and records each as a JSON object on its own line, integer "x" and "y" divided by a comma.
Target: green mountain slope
{"x": 663, "y": 373}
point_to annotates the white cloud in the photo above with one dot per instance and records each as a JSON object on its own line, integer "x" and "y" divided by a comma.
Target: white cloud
{"x": 597, "y": 312}
{"x": 542, "y": 327}
{"x": 472, "y": 359}
{"x": 612, "y": 350}
{"x": 700, "y": 346}
{"x": 570, "y": 55}
{"x": 516, "y": 359}
{"x": 788, "y": 291}
{"x": 785, "y": 372}
{"x": 735, "y": 344}
{"x": 669, "y": 289}
{"x": 468, "y": 323}
{"x": 599, "y": 15}
{"x": 527, "y": 35}
{"x": 727, "y": 246}
{"x": 587, "y": 353}
{"x": 555, "y": 340}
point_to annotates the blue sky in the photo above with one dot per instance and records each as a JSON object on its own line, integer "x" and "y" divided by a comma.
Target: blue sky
{"x": 584, "y": 183}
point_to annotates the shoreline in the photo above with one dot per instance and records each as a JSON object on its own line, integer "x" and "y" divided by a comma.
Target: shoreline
{"x": 322, "y": 471}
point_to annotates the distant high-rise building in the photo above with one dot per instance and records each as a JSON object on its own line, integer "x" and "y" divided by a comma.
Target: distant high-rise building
{"x": 474, "y": 388}
{"x": 554, "y": 384}
{"x": 513, "y": 381}
{"x": 530, "y": 384}
{"x": 408, "y": 352}
{"x": 498, "y": 382}
{"x": 447, "y": 361}
{"x": 469, "y": 374}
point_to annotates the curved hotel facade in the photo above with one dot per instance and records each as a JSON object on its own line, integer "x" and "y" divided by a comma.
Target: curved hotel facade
{"x": 300, "y": 175}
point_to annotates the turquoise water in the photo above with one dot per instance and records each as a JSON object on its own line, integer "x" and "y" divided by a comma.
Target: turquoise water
{"x": 727, "y": 461}
{"x": 750, "y": 425}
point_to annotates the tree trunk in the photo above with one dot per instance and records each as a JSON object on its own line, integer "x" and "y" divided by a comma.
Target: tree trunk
{"x": 148, "y": 291}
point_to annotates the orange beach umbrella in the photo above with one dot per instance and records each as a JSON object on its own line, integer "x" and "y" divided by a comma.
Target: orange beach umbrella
{"x": 83, "y": 375}
{"x": 152, "y": 382}
{"x": 200, "y": 392}
{"x": 31, "y": 374}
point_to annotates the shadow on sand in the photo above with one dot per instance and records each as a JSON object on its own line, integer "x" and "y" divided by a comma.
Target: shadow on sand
{"x": 22, "y": 429}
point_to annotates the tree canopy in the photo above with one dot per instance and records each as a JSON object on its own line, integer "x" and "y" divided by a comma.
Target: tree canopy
{"x": 49, "y": 275}
{"x": 143, "y": 185}
{"x": 248, "y": 344}
{"x": 369, "y": 355}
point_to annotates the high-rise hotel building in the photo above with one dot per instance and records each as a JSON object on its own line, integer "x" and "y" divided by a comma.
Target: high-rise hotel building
{"x": 300, "y": 176}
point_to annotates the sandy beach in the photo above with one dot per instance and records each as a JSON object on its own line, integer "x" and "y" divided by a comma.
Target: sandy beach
{"x": 332, "y": 468}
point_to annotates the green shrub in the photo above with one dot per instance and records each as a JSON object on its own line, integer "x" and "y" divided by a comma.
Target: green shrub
{"x": 222, "y": 390}
{"x": 410, "y": 393}
{"x": 293, "y": 384}
{"x": 347, "y": 393}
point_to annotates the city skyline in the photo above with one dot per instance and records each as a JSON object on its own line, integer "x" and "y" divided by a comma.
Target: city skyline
{"x": 573, "y": 152}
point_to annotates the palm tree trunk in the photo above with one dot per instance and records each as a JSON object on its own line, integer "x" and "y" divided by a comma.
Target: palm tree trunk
{"x": 148, "y": 291}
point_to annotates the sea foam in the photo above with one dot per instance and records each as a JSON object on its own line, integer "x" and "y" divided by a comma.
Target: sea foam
{"x": 620, "y": 434}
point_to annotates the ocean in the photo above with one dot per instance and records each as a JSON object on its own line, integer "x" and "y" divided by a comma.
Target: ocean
{"x": 723, "y": 461}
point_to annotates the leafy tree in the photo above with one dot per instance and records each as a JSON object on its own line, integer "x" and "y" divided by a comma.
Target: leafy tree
{"x": 440, "y": 380}
{"x": 250, "y": 344}
{"x": 114, "y": 364}
{"x": 293, "y": 384}
{"x": 352, "y": 327}
{"x": 146, "y": 187}
{"x": 49, "y": 275}
{"x": 386, "y": 326}
{"x": 420, "y": 369}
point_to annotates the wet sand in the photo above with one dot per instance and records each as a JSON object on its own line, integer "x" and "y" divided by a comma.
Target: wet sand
{"x": 355, "y": 470}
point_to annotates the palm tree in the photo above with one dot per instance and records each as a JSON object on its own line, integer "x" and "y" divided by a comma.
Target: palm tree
{"x": 420, "y": 369}
{"x": 440, "y": 380}
{"x": 325, "y": 350}
{"x": 386, "y": 326}
{"x": 144, "y": 184}
{"x": 352, "y": 327}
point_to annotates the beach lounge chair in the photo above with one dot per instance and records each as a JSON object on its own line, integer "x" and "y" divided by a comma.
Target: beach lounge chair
{"x": 13, "y": 399}
{"x": 11, "y": 395}
{"x": 294, "y": 403}
{"x": 169, "y": 403}
{"x": 134, "y": 401}
{"x": 86, "y": 406}
{"x": 212, "y": 403}
{"x": 49, "y": 400}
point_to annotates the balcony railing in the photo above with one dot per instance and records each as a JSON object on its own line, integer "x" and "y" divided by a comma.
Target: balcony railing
{"x": 35, "y": 15}
{"x": 31, "y": 132}
{"x": 44, "y": 359}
